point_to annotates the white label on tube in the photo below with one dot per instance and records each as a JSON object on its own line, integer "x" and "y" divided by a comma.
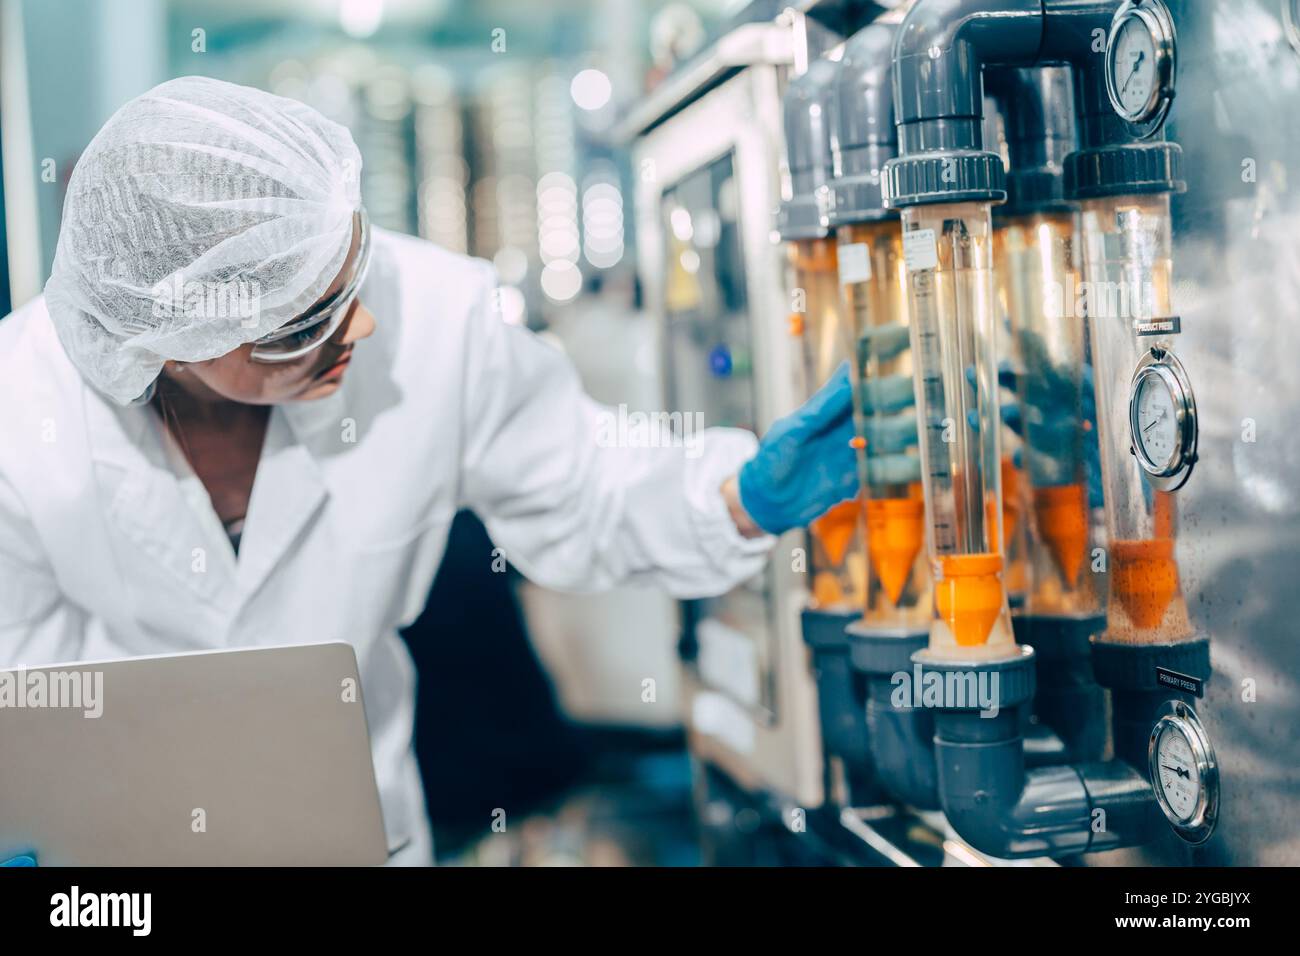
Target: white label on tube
{"x": 855, "y": 263}
{"x": 919, "y": 251}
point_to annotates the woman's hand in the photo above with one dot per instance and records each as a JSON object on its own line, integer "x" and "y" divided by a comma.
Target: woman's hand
{"x": 805, "y": 464}
{"x": 744, "y": 523}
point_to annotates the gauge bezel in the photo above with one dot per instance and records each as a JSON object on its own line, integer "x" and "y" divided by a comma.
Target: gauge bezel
{"x": 1155, "y": 18}
{"x": 1291, "y": 23}
{"x": 1161, "y": 364}
{"x": 1176, "y": 716}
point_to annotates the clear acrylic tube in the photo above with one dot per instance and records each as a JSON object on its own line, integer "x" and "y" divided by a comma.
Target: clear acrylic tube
{"x": 837, "y": 560}
{"x": 948, "y": 250}
{"x": 1037, "y": 279}
{"x": 1128, "y": 273}
{"x": 873, "y": 283}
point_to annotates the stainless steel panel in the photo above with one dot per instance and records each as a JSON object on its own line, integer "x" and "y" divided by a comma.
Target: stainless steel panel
{"x": 1237, "y": 263}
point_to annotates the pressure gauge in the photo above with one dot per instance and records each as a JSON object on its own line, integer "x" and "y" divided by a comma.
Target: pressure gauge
{"x": 1184, "y": 773}
{"x": 1162, "y": 420}
{"x": 1140, "y": 61}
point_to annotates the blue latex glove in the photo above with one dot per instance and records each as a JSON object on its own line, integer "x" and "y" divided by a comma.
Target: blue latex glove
{"x": 805, "y": 464}
{"x": 27, "y": 859}
{"x": 888, "y": 404}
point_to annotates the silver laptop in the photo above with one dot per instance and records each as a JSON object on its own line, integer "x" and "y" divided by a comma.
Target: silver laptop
{"x": 225, "y": 758}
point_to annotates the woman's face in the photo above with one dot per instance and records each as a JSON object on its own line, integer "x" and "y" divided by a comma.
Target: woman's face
{"x": 236, "y": 377}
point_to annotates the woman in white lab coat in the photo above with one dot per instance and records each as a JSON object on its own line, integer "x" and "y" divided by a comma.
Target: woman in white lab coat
{"x": 175, "y": 479}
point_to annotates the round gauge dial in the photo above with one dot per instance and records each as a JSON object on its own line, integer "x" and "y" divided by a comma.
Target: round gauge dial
{"x": 1134, "y": 62}
{"x": 1184, "y": 772}
{"x": 1140, "y": 61}
{"x": 1176, "y": 774}
{"x": 1162, "y": 419}
{"x": 1158, "y": 431}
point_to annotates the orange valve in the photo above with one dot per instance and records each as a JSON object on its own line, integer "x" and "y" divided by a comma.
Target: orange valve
{"x": 835, "y": 529}
{"x": 895, "y": 529}
{"x": 1062, "y": 515}
{"x": 858, "y": 442}
{"x": 969, "y": 596}
{"x": 1144, "y": 579}
{"x": 796, "y": 324}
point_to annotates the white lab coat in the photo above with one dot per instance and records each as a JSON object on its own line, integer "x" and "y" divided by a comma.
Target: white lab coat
{"x": 109, "y": 546}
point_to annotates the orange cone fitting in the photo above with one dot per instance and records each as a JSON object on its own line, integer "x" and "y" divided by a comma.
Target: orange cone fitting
{"x": 834, "y": 530}
{"x": 826, "y": 590}
{"x": 895, "y": 527}
{"x": 1144, "y": 579}
{"x": 969, "y": 597}
{"x": 1062, "y": 515}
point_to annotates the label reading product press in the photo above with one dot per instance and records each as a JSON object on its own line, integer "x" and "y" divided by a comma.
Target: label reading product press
{"x": 854, "y": 263}
{"x": 1168, "y": 326}
{"x": 919, "y": 250}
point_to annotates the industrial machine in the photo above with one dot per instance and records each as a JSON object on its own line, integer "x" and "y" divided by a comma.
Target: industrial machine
{"x": 820, "y": 324}
{"x": 1037, "y": 257}
{"x": 895, "y": 618}
{"x": 706, "y": 151}
{"x": 1054, "y": 627}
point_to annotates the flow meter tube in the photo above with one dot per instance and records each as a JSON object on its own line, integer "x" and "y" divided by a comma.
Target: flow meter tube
{"x": 1128, "y": 269}
{"x": 873, "y": 282}
{"x": 837, "y": 559}
{"x": 948, "y": 250}
{"x": 1038, "y": 284}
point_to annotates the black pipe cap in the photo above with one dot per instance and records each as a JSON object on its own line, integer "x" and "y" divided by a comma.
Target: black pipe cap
{"x": 884, "y": 650}
{"x": 1016, "y": 675}
{"x": 945, "y": 176}
{"x": 1036, "y": 190}
{"x": 1131, "y": 169}
{"x": 824, "y": 630}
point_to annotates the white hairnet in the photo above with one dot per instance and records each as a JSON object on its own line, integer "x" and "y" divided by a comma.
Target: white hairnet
{"x": 202, "y": 216}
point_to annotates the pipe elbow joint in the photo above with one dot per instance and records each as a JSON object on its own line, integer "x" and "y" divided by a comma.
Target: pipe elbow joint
{"x": 902, "y": 751}
{"x": 942, "y": 45}
{"x": 1002, "y": 810}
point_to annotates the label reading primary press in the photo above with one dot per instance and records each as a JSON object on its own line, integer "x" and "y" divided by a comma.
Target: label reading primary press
{"x": 1182, "y": 682}
{"x": 919, "y": 250}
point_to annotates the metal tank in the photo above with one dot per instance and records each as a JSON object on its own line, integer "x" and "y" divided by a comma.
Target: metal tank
{"x": 819, "y": 324}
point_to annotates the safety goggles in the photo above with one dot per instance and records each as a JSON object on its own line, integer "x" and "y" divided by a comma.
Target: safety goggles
{"x": 315, "y": 327}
